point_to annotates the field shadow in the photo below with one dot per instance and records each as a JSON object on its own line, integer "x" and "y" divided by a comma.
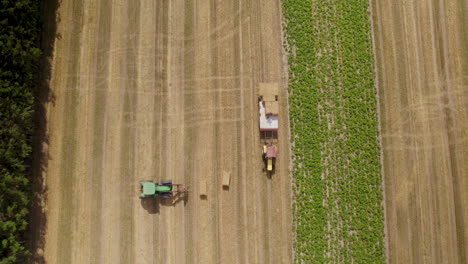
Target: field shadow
{"x": 39, "y": 159}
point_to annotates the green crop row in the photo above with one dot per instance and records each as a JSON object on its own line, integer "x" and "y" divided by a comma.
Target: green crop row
{"x": 338, "y": 213}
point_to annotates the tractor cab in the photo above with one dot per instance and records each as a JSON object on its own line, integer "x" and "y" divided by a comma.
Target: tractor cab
{"x": 148, "y": 189}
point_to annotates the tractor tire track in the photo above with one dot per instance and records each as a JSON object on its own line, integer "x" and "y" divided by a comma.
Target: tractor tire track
{"x": 164, "y": 90}
{"x": 421, "y": 65}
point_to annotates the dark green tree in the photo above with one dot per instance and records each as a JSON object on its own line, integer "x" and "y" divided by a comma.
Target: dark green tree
{"x": 19, "y": 28}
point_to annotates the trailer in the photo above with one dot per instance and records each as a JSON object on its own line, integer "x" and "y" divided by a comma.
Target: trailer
{"x": 268, "y": 110}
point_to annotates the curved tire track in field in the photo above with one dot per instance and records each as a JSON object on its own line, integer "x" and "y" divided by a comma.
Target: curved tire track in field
{"x": 164, "y": 90}
{"x": 421, "y": 62}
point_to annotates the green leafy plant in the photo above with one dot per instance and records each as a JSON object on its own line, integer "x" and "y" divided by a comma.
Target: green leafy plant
{"x": 338, "y": 214}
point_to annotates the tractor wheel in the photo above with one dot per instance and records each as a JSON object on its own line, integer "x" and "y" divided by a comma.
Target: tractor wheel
{"x": 166, "y": 182}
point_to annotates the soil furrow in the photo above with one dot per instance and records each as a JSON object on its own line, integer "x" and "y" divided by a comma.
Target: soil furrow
{"x": 68, "y": 158}
{"x": 128, "y": 149}
{"x": 97, "y": 155}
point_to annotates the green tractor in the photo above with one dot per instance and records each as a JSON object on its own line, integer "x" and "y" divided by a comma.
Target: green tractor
{"x": 165, "y": 189}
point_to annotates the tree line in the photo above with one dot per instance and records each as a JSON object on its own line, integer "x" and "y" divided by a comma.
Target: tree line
{"x": 20, "y": 22}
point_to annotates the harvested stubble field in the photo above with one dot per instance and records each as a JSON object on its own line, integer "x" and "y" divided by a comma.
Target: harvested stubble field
{"x": 163, "y": 90}
{"x": 422, "y": 60}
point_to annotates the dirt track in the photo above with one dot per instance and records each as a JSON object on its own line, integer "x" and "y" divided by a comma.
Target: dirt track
{"x": 164, "y": 90}
{"x": 422, "y": 62}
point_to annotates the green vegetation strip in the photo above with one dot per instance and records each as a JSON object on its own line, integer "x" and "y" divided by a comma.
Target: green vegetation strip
{"x": 18, "y": 53}
{"x": 338, "y": 212}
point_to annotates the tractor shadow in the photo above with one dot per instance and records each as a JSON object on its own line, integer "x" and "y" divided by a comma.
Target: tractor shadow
{"x": 152, "y": 206}
{"x": 270, "y": 174}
